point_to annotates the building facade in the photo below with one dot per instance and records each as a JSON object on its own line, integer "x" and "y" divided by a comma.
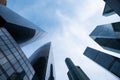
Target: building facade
{"x": 14, "y": 65}
{"x": 22, "y": 30}
{"x": 108, "y": 36}
{"x": 114, "y": 5}
{"x": 75, "y": 72}
{"x": 108, "y": 10}
{"x": 42, "y": 62}
{"x": 107, "y": 61}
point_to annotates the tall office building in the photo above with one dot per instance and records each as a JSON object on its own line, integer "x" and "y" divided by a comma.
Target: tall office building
{"x": 14, "y": 65}
{"x": 108, "y": 11}
{"x": 22, "y": 30}
{"x": 3, "y": 2}
{"x": 75, "y": 72}
{"x": 107, "y": 61}
{"x": 108, "y": 36}
{"x": 42, "y": 62}
{"x": 114, "y": 5}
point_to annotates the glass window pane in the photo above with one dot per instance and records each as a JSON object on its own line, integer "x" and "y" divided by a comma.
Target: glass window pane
{"x": 10, "y": 71}
{"x": 3, "y": 77}
{"x": 6, "y": 66}
{"x": 3, "y": 61}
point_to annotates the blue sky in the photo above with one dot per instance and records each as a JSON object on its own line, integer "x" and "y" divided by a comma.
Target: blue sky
{"x": 68, "y": 24}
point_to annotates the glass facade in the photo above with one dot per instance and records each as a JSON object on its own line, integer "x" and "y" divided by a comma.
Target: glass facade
{"x": 22, "y": 30}
{"x": 107, "y": 36}
{"x": 75, "y": 72}
{"x": 13, "y": 62}
{"x": 107, "y": 61}
{"x": 114, "y": 4}
{"x": 42, "y": 62}
{"x": 108, "y": 11}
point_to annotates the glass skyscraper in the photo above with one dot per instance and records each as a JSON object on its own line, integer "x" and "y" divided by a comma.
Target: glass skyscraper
{"x": 16, "y": 32}
{"x": 114, "y": 5}
{"x": 108, "y": 36}
{"x": 109, "y": 62}
{"x": 14, "y": 65}
{"x": 43, "y": 63}
{"x": 75, "y": 72}
{"x": 22, "y": 30}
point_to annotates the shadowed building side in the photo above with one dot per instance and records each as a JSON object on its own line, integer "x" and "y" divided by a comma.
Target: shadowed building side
{"x": 108, "y": 11}
{"x": 14, "y": 65}
{"x": 108, "y": 36}
{"x": 22, "y": 30}
{"x": 107, "y": 61}
{"x": 114, "y": 5}
{"x": 40, "y": 62}
{"x": 75, "y": 72}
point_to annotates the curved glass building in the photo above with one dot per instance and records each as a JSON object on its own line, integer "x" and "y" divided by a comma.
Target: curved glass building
{"x": 14, "y": 65}
{"x": 109, "y": 62}
{"x": 42, "y": 62}
{"x": 114, "y": 6}
{"x": 108, "y": 11}
{"x": 22, "y": 30}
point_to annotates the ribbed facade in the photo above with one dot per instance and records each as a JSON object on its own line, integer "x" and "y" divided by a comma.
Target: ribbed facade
{"x": 107, "y": 36}
{"x": 114, "y": 5}
{"x": 14, "y": 65}
{"x": 22, "y": 30}
{"x": 42, "y": 62}
{"x": 107, "y": 61}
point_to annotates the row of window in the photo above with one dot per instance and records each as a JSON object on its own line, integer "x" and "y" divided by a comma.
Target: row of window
{"x": 12, "y": 58}
{"x": 107, "y": 61}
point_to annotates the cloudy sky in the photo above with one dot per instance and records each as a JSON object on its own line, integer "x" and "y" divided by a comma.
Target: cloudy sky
{"x": 68, "y": 24}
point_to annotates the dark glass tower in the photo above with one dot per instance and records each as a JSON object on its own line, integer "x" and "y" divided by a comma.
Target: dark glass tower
{"x": 108, "y": 11}
{"x": 22, "y": 30}
{"x": 107, "y": 61}
{"x": 108, "y": 36}
{"x": 114, "y": 5}
{"x": 42, "y": 62}
{"x": 14, "y": 65}
{"x": 75, "y": 72}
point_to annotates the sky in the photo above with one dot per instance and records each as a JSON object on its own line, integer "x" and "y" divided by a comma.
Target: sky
{"x": 68, "y": 24}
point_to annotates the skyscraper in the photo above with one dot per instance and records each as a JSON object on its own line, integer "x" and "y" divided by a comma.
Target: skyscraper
{"x": 75, "y": 72}
{"x": 22, "y": 30}
{"x": 107, "y": 61}
{"x": 108, "y": 11}
{"x": 114, "y": 5}
{"x": 107, "y": 36}
{"x": 42, "y": 62}
{"x": 14, "y": 65}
